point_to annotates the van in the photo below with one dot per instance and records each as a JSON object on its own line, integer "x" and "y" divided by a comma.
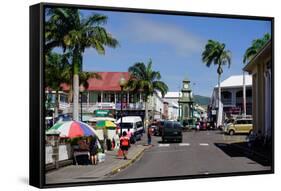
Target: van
{"x": 172, "y": 131}
{"x": 239, "y": 126}
{"x": 134, "y": 124}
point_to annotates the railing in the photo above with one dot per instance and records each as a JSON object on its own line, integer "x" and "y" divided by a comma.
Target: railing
{"x": 240, "y": 100}
{"x": 226, "y": 101}
{"x": 91, "y": 107}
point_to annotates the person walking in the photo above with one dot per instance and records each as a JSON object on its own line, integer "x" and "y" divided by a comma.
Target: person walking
{"x": 124, "y": 144}
{"x": 149, "y": 134}
{"x": 94, "y": 150}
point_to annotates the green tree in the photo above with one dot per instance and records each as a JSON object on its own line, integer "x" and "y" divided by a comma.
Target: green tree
{"x": 56, "y": 72}
{"x": 256, "y": 45}
{"x": 147, "y": 81}
{"x": 215, "y": 53}
{"x": 67, "y": 28}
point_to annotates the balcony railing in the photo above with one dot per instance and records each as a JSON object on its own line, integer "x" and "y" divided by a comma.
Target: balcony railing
{"x": 91, "y": 107}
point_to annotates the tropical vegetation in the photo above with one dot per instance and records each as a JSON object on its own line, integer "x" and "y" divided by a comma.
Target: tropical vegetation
{"x": 145, "y": 80}
{"x": 215, "y": 53}
{"x": 74, "y": 33}
{"x": 256, "y": 45}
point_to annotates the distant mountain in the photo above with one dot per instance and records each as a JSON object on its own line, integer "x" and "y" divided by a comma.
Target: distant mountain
{"x": 202, "y": 100}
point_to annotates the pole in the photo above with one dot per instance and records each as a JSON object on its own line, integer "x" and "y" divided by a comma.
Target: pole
{"x": 244, "y": 95}
{"x": 81, "y": 106}
{"x": 121, "y": 110}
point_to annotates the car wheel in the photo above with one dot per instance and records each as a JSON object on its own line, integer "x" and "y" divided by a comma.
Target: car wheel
{"x": 231, "y": 132}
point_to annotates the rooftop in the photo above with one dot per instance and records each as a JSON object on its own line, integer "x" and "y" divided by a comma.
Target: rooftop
{"x": 109, "y": 81}
{"x": 172, "y": 95}
{"x": 236, "y": 81}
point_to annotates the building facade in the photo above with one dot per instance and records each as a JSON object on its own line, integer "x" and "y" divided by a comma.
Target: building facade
{"x": 261, "y": 69}
{"x": 172, "y": 107}
{"x": 232, "y": 95}
{"x": 106, "y": 94}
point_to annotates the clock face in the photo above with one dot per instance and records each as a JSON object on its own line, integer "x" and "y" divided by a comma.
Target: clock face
{"x": 185, "y": 86}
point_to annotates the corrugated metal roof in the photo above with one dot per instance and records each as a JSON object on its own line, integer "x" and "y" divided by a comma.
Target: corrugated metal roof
{"x": 109, "y": 81}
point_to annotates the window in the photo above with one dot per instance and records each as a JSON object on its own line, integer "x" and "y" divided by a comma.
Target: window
{"x": 226, "y": 95}
{"x": 239, "y": 93}
{"x": 169, "y": 124}
{"x": 126, "y": 125}
{"x": 99, "y": 97}
{"x": 139, "y": 124}
{"x": 249, "y": 93}
{"x": 177, "y": 125}
{"x": 239, "y": 122}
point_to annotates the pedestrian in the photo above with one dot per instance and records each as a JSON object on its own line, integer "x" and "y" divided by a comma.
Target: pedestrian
{"x": 131, "y": 137}
{"x": 124, "y": 144}
{"x": 94, "y": 150}
{"x": 149, "y": 134}
{"x": 116, "y": 140}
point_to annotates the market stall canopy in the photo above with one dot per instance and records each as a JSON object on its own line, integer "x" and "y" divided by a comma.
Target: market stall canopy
{"x": 72, "y": 129}
{"x": 106, "y": 124}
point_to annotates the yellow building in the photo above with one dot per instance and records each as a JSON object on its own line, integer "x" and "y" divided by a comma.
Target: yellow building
{"x": 260, "y": 66}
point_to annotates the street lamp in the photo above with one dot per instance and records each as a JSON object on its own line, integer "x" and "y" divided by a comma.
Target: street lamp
{"x": 81, "y": 88}
{"x": 122, "y": 83}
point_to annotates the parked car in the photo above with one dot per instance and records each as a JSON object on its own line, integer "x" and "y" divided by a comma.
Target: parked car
{"x": 172, "y": 131}
{"x": 239, "y": 126}
{"x": 134, "y": 124}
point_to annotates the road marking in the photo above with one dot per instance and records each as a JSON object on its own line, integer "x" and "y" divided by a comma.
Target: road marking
{"x": 164, "y": 145}
{"x": 204, "y": 144}
{"x": 184, "y": 144}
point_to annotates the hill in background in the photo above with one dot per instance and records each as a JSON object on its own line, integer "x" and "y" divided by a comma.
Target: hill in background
{"x": 201, "y": 100}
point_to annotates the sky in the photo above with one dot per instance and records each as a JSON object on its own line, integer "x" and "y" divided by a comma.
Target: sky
{"x": 175, "y": 44}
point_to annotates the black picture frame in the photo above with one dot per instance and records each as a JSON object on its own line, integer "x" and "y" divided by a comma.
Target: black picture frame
{"x": 37, "y": 112}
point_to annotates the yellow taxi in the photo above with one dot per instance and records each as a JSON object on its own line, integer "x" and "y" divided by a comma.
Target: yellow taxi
{"x": 239, "y": 126}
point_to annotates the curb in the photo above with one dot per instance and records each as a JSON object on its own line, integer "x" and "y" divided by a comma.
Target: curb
{"x": 125, "y": 165}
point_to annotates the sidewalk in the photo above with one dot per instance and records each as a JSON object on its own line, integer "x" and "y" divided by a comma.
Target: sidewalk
{"x": 259, "y": 154}
{"x": 111, "y": 165}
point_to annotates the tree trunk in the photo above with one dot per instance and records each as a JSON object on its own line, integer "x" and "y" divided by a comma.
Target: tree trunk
{"x": 219, "y": 97}
{"x": 75, "y": 85}
{"x": 57, "y": 104}
{"x": 244, "y": 95}
{"x": 75, "y": 97}
{"x": 146, "y": 118}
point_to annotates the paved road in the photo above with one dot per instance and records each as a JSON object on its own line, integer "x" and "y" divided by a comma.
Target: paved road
{"x": 203, "y": 152}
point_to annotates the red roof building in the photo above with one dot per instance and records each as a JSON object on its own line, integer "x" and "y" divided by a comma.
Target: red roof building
{"x": 109, "y": 82}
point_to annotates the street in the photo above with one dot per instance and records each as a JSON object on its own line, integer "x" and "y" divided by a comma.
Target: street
{"x": 203, "y": 152}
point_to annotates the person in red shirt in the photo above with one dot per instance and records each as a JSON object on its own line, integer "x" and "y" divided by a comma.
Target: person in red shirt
{"x": 124, "y": 144}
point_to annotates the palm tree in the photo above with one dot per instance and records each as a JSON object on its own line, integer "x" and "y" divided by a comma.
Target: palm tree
{"x": 256, "y": 45}
{"x": 143, "y": 79}
{"x": 68, "y": 29}
{"x": 215, "y": 53}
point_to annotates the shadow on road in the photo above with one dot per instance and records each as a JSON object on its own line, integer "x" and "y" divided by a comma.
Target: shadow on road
{"x": 240, "y": 150}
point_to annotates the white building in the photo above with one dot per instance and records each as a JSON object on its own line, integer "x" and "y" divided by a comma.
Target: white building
{"x": 172, "y": 99}
{"x": 232, "y": 95}
{"x": 155, "y": 106}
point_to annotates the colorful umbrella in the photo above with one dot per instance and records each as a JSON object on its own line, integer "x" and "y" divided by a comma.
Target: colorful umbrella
{"x": 72, "y": 129}
{"x": 106, "y": 124}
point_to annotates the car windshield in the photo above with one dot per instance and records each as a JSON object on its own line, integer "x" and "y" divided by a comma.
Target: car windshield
{"x": 126, "y": 125}
{"x": 177, "y": 125}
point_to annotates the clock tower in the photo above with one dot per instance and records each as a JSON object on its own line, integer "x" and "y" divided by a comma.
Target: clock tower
{"x": 185, "y": 102}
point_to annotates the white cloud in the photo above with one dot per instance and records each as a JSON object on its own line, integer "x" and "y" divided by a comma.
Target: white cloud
{"x": 175, "y": 36}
